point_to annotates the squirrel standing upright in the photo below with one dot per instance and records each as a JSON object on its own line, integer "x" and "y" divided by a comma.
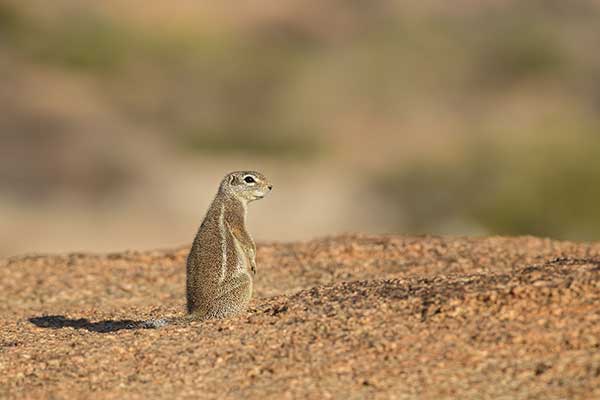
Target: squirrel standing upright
{"x": 222, "y": 261}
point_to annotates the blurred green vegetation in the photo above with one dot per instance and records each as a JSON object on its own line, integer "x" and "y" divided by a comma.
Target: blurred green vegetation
{"x": 261, "y": 143}
{"x": 545, "y": 188}
{"x": 9, "y": 19}
{"x": 377, "y": 75}
{"x": 86, "y": 42}
{"x": 521, "y": 51}
{"x": 239, "y": 80}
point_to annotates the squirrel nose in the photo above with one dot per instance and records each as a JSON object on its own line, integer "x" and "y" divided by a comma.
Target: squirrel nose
{"x": 270, "y": 187}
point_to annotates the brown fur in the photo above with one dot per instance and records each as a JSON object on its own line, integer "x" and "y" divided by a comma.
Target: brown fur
{"x": 221, "y": 262}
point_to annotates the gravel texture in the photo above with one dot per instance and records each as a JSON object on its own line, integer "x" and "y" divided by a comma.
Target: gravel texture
{"x": 348, "y": 317}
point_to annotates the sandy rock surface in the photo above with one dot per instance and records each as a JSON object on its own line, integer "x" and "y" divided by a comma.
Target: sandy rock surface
{"x": 349, "y": 317}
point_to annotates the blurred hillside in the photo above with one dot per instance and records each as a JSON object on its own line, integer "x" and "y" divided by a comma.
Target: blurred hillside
{"x": 119, "y": 118}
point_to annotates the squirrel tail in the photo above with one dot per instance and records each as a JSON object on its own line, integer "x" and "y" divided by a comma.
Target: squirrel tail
{"x": 160, "y": 322}
{"x": 153, "y": 323}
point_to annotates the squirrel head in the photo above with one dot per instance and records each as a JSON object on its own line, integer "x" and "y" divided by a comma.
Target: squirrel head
{"x": 246, "y": 186}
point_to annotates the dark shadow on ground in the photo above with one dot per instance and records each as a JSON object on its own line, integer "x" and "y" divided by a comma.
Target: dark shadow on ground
{"x": 59, "y": 321}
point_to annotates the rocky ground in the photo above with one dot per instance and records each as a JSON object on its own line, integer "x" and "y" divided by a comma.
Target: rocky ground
{"x": 347, "y": 317}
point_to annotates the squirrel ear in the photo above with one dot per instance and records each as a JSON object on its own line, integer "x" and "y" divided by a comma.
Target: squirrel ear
{"x": 232, "y": 180}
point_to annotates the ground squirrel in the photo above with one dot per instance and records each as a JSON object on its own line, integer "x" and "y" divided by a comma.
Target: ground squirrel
{"x": 222, "y": 262}
{"x": 222, "y": 257}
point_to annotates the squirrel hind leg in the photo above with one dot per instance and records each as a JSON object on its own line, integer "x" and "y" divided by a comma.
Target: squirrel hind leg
{"x": 234, "y": 300}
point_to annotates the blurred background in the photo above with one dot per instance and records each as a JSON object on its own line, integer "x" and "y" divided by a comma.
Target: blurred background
{"x": 119, "y": 118}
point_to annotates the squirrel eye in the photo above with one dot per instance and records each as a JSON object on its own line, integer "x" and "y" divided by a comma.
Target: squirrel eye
{"x": 249, "y": 179}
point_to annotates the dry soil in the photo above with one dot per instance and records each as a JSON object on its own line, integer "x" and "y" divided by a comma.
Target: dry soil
{"x": 348, "y": 317}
